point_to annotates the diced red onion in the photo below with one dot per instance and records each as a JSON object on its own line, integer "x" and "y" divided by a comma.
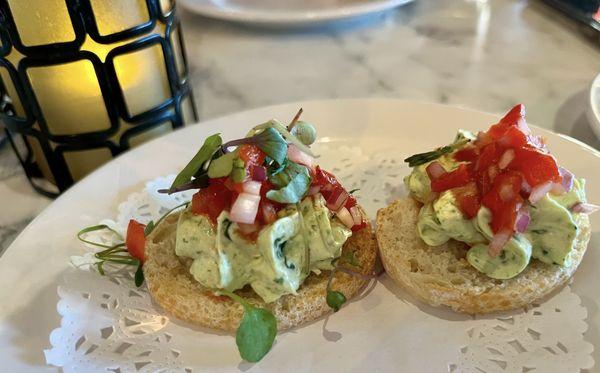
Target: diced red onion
{"x": 523, "y": 126}
{"x": 525, "y": 187}
{"x": 248, "y": 228}
{"x": 345, "y": 217}
{"x": 337, "y": 199}
{"x": 298, "y": 156}
{"x": 314, "y": 190}
{"x": 537, "y": 141}
{"x": 567, "y": 179}
{"x": 244, "y": 208}
{"x": 435, "y": 170}
{"x": 268, "y": 212}
{"x": 522, "y": 221}
{"x": 539, "y": 191}
{"x": 498, "y": 241}
{"x": 584, "y": 208}
{"x": 356, "y": 215}
{"x": 252, "y": 187}
{"x": 327, "y": 188}
{"x": 506, "y": 158}
{"x": 506, "y": 192}
{"x": 259, "y": 173}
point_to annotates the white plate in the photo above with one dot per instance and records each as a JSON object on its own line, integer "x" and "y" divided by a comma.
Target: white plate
{"x": 280, "y": 13}
{"x": 594, "y": 106}
{"x": 33, "y": 265}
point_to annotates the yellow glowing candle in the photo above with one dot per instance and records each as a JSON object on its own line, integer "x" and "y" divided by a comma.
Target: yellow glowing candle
{"x": 71, "y": 95}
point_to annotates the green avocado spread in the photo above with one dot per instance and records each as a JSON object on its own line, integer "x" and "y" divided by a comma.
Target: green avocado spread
{"x": 549, "y": 237}
{"x": 305, "y": 237}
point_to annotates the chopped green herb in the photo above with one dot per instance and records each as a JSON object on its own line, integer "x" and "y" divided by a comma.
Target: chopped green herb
{"x": 222, "y": 166}
{"x": 351, "y": 259}
{"x": 335, "y": 300}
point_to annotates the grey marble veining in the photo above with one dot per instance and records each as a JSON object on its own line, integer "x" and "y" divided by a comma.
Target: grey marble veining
{"x": 485, "y": 55}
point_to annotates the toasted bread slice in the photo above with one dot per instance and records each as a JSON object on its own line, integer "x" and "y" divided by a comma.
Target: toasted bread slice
{"x": 441, "y": 275}
{"x": 176, "y": 291}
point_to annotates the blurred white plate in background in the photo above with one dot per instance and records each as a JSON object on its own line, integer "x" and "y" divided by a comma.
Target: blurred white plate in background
{"x": 281, "y": 13}
{"x": 594, "y": 108}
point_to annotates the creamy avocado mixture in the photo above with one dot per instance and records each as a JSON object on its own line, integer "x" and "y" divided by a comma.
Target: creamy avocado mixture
{"x": 305, "y": 237}
{"x": 549, "y": 237}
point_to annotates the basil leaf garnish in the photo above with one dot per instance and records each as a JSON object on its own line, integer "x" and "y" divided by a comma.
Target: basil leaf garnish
{"x": 294, "y": 190}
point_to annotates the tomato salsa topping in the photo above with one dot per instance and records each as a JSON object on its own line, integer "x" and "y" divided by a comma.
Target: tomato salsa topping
{"x": 499, "y": 170}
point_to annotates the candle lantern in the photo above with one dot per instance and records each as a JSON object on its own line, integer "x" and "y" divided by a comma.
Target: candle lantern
{"x": 83, "y": 80}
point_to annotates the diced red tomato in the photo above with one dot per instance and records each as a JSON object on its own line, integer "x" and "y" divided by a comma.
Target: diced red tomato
{"x": 324, "y": 178}
{"x": 135, "y": 240}
{"x": 350, "y": 202}
{"x": 357, "y": 227}
{"x": 504, "y": 210}
{"x": 212, "y": 200}
{"x": 467, "y": 197}
{"x": 489, "y": 155}
{"x": 449, "y": 180}
{"x": 331, "y": 189}
{"x": 536, "y": 166}
{"x": 251, "y": 155}
{"x": 232, "y": 186}
{"x": 513, "y": 137}
{"x": 480, "y": 181}
{"x": 267, "y": 213}
{"x": 467, "y": 154}
{"x": 514, "y": 115}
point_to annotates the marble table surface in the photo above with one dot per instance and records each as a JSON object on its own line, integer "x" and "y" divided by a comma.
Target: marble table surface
{"x": 480, "y": 54}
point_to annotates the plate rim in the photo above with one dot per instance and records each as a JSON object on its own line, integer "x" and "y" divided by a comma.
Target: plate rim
{"x": 281, "y": 18}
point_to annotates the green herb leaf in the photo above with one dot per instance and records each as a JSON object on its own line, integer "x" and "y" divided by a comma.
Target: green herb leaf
{"x": 97, "y": 228}
{"x": 149, "y": 228}
{"x": 294, "y": 190}
{"x": 238, "y": 173}
{"x": 257, "y": 331}
{"x": 139, "y": 275}
{"x": 335, "y": 300}
{"x": 283, "y": 177}
{"x": 211, "y": 145}
{"x": 351, "y": 259}
{"x": 354, "y": 191}
{"x": 285, "y": 133}
{"x": 221, "y": 166}
{"x": 422, "y": 158}
{"x": 272, "y": 144}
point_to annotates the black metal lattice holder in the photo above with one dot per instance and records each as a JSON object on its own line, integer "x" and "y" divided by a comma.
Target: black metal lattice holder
{"x": 84, "y": 25}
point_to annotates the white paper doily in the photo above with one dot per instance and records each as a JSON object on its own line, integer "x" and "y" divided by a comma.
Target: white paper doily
{"x": 109, "y": 325}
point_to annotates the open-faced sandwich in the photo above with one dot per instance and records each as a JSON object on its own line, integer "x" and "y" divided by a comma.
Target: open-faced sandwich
{"x": 269, "y": 241}
{"x": 492, "y": 221}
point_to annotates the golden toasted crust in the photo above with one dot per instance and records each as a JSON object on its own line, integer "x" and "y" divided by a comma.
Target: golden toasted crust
{"x": 441, "y": 275}
{"x": 176, "y": 291}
